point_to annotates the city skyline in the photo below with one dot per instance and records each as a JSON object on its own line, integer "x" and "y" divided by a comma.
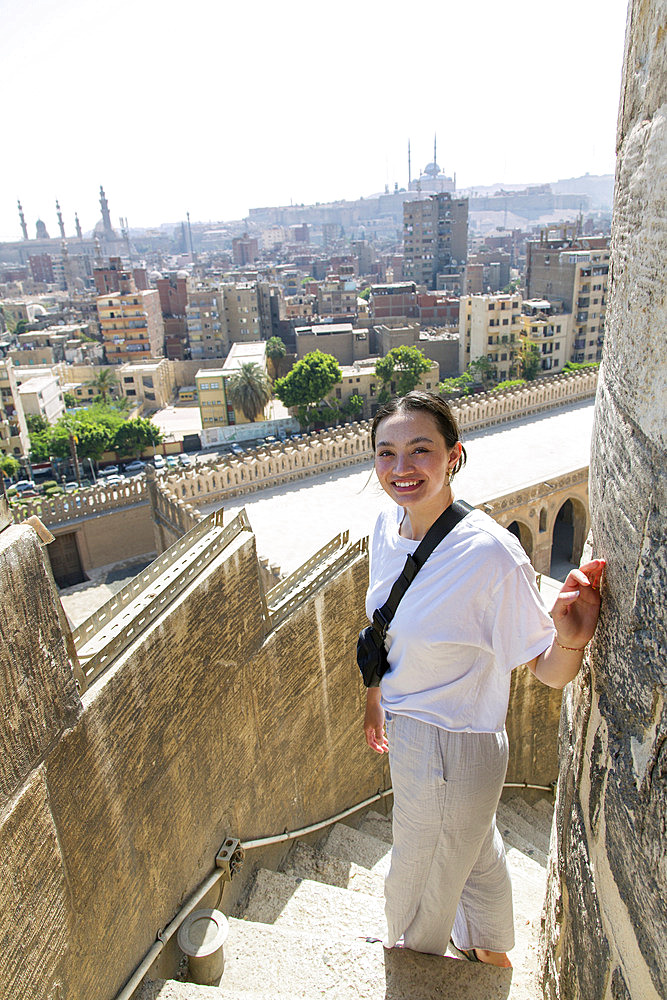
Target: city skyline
{"x": 215, "y": 112}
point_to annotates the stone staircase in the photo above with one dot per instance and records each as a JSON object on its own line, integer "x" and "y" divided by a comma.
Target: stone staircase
{"x": 310, "y": 930}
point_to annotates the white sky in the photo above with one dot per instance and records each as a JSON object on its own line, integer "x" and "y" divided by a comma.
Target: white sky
{"x": 216, "y": 106}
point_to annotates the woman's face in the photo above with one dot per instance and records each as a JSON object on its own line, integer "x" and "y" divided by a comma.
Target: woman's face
{"x": 412, "y": 460}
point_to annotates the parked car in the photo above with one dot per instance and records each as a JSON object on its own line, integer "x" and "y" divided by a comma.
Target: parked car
{"x": 172, "y": 461}
{"x": 71, "y": 487}
{"x": 184, "y": 459}
{"x": 110, "y": 470}
{"x": 159, "y": 462}
{"x": 25, "y": 486}
{"x": 114, "y": 480}
{"x": 270, "y": 439}
{"x": 134, "y": 468}
{"x": 236, "y": 449}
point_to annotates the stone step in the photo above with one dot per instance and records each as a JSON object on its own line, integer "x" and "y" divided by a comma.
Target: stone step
{"x": 375, "y": 825}
{"x": 546, "y": 808}
{"x": 309, "y": 862}
{"x": 276, "y": 964}
{"x": 300, "y": 904}
{"x": 520, "y": 827}
{"x": 538, "y": 820}
{"x": 348, "y": 844}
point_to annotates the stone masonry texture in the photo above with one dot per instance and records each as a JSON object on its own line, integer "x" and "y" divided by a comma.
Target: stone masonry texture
{"x": 605, "y": 918}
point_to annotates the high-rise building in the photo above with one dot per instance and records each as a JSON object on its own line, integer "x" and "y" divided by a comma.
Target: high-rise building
{"x": 435, "y": 240}
{"x": 549, "y": 329}
{"x": 242, "y": 312}
{"x": 131, "y": 322}
{"x": 572, "y": 273}
{"x": 490, "y": 327}
{"x": 206, "y": 321}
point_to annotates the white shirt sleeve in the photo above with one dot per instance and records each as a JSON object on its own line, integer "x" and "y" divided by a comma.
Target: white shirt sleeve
{"x": 520, "y": 626}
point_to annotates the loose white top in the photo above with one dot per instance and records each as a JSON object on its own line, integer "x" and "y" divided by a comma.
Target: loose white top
{"x": 470, "y": 616}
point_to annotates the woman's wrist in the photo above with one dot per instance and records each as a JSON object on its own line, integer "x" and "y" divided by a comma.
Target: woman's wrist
{"x": 569, "y": 649}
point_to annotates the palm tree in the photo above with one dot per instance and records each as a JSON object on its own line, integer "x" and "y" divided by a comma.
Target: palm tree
{"x": 249, "y": 390}
{"x": 275, "y": 351}
{"x": 104, "y": 382}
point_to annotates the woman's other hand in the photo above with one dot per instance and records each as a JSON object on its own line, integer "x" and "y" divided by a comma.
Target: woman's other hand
{"x": 577, "y": 607}
{"x": 374, "y": 722}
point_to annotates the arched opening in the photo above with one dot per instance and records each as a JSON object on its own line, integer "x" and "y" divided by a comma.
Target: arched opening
{"x": 522, "y": 532}
{"x": 543, "y": 519}
{"x": 567, "y": 542}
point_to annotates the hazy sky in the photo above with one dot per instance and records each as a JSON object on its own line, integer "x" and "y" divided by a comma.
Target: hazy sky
{"x": 214, "y": 107}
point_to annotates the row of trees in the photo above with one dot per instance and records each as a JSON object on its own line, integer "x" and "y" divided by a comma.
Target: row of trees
{"x": 99, "y": 428}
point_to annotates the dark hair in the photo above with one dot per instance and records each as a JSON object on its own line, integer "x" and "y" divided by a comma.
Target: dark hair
{"x": 426, "y": 402}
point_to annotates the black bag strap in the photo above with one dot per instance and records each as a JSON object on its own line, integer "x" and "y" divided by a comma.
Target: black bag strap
{"x": 439, "y": 529}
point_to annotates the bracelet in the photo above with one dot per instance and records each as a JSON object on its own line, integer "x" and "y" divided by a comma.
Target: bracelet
{"x": 571, "y": 649}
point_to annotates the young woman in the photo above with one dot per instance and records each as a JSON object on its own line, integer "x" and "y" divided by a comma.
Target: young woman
{"x": 471, "y": 615}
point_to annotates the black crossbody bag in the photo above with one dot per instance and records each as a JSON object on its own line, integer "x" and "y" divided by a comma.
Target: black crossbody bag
{"x": 371, "y": 652}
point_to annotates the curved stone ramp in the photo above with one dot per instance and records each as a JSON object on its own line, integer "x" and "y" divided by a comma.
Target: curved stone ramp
{"x": 303, "y": 931}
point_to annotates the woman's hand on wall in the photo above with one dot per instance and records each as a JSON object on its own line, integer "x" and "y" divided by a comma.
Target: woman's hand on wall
{"x": 577, "y": 607}
{"x": 374, "y": 722}
{"x": 575, "y": 614}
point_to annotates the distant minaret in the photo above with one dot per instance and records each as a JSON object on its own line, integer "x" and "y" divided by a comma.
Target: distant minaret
{"x": 106, "y": 218}
{"x": 24, "y": 228}
{"x": 78, "y": 226}
{"x": 99, "y": 260}
{"x": 409, "y": 167}
{"x": 61, "y": 224}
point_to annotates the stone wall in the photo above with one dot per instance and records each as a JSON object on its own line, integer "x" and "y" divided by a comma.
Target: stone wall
{"x": 605, "y": 915}
{"x": 212, "y": 722}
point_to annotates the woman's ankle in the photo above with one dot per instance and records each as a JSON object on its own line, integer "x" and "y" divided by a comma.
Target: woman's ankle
{"x": 497, "y": 958}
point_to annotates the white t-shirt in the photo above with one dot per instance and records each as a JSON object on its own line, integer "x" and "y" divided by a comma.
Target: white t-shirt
{"x": 470, "y": 616}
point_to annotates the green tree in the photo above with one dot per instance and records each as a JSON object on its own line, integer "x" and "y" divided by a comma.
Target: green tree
{"x": 530, "y": 360}
{"x": 91, "y": 439}
{"x": 10, "y": 466}
{"x": 404, "y": 365}
{"x": 459, "y": 386}
{"x": 576, "y": 366}
{"x": 249, "y": 390}
{"x": 482, "y": 370}
{"x": 353, "y": 407}
{"x": 366, "y": 294}
{"x": 509, "y": 383}
{"x": 309, "y": 381}
{"x": 70, "y": 399}
{"x": 104, "y": 381}
{"x": 275, "y": 352}
{"x": 134, "y": 435}
{"x": 36, "y": 423}
{"x": 40, "y": 446}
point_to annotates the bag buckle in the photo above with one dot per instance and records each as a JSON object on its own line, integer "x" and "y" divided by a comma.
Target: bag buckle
{"x": 380, "y": 623}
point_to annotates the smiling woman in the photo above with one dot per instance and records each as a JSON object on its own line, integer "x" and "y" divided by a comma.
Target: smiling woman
{"x": 470, "y": 616}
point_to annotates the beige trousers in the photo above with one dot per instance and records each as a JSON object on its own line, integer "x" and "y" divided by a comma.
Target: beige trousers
{"x": 448, "y": 873}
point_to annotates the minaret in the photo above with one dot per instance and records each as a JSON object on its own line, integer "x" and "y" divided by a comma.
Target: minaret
{"x": 61, "y": 224}
{"x": 79, "y": 234}
{"x": 24, "y": 228}
{"x": 106, "y": 218}
{"x": 409, "y": 167}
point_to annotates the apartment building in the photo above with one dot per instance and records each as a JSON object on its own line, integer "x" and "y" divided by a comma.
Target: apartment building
{"x": 206, "y": 321}
{"x": 131, "y": 322}
{"x": 550, "y": 330}
{"x": 150, "y": 383}
{"x": 398, "y": 300}
{"x": 14, "y": 437}
{"x": 242, "y": 312}
{"x": 490, "y": 326}
{"x": 435, "y": 240}
{"x": 42, "y": 396}
{"x": 341, "y": 340}
{"x": 173, "y": 292}
{"x": 337, "y": 297}
{"x": 572, "y": 273}
{"x": 214, "y": 407}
